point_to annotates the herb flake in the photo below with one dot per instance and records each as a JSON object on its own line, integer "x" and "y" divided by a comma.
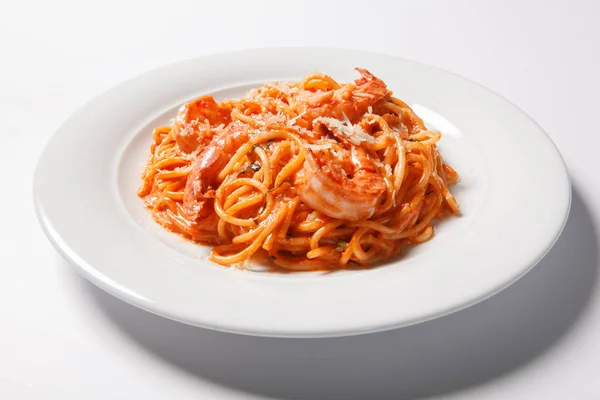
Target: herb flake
{"x": 255, "y": 166}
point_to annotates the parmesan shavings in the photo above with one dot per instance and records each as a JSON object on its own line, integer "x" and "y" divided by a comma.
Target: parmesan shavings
{"x": 388, "y": 170}
{"x": 292, "y": 121}
{"x": 355, "y": 134}
{"x": 319, "y": 147}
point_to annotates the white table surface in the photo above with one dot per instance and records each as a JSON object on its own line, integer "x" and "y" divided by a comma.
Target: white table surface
{"x": 61, "y": 338}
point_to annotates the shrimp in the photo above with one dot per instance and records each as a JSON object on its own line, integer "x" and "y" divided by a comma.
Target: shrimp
{"x": 191, "y": 127}
{"x": 338, "y": 184}
{"x": 202, "y": 180}
{"x": 351, "y": 192}
{"x": 350, "y": 101}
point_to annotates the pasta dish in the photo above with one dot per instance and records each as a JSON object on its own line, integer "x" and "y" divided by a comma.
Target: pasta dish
{"x": 315, "y": 174}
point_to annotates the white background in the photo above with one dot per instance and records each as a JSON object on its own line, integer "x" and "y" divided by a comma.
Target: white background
{"x": 61, "y": 338}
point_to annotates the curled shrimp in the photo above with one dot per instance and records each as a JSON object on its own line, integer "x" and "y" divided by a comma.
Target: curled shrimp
{"x": 349, "y": 101}
{"x": 202, "y": 180}
{"x": 353, "y": 194}
{"x": 192, "y": 126}
{"x": 338, "y": 184}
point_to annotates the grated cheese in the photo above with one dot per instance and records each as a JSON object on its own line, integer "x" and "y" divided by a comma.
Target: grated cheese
{"x": 319, "y": 147}
{"x": 355, "y": 134}
{"x": 293, "y": 120}
{"x": 388, "y": 169}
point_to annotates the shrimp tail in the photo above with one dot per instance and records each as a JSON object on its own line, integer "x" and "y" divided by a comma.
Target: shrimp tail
{"x": 371, "y": 84}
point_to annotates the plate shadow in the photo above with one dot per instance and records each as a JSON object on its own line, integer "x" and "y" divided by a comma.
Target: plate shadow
{"x": 448, "y": 354}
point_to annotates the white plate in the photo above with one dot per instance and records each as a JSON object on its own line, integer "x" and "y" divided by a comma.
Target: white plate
{"x": 514, "y": 194}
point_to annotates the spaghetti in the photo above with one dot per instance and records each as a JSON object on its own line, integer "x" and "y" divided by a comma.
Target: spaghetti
{"x": 315, "y": 174}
